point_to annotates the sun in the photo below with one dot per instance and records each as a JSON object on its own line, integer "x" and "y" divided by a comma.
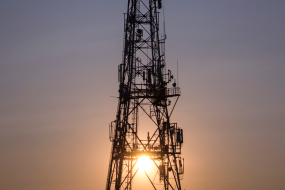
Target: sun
{"x": 144, "y": 163}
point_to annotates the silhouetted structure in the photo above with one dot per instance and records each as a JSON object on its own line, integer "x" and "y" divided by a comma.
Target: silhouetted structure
{"x": 143, "y": 81}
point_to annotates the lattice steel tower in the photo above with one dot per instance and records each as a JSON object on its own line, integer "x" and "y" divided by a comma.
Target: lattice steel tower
{"x": 143, "y": 81}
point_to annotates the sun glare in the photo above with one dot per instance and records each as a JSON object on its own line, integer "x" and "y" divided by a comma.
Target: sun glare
{"x": 144, "y": 163}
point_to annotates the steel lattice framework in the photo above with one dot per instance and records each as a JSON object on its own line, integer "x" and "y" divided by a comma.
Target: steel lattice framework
{"x": 143, "y": 81}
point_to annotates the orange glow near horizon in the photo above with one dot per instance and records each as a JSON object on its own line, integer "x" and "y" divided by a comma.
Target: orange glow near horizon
{"x": 144, "y": 163}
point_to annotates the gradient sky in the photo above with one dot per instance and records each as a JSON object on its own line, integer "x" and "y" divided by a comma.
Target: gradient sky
{"x": 58, "y": 69}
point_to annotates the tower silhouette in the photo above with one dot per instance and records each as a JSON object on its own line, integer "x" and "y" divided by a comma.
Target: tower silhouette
{"x": 143, "y": 88}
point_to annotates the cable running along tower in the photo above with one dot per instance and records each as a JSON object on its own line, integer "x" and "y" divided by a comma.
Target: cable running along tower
{"x": 143, "y": 89}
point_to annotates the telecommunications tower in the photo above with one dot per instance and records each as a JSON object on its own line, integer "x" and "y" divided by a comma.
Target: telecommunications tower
{"x": 143, "y": 89}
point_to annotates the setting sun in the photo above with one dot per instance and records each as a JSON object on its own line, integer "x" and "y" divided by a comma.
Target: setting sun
{"x": 144, "y": 163}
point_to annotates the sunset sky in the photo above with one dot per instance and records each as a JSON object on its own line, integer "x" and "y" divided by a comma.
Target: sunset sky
{"x": 58, "y": 73}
